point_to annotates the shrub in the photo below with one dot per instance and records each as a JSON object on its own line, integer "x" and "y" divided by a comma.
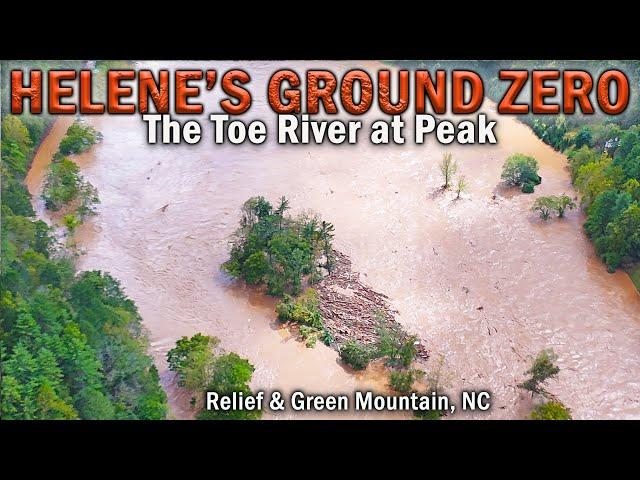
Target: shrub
{"x": 397, "y": 346}
{"x": 71, "y": 222}
{"x": 355, "y": 354}
{"x": 402, "y": 380}
{"x": 309, "y": 335}
{"x": 302, "y": 310}
{"x": 552, "y": 410}
{"x": 327, "y": 338}
{"x": 527, "y": 187}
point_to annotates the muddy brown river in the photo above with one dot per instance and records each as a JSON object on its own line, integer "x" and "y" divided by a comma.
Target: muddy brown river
{"x": 481, "y": 280}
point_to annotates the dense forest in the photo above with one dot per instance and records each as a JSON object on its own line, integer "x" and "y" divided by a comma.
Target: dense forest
{"x": 281, "y": 252}
{"x": 72, "y": 345}
{"x": 605, "y": 169}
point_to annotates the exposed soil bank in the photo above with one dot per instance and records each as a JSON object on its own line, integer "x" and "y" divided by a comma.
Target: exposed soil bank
{"x": 438, "y": 260}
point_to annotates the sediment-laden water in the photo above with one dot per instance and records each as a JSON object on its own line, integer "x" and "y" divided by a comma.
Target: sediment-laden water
{"x": 481, "y": 280}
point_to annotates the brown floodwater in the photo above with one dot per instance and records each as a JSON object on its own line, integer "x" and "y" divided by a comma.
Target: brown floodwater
{"x": 481, "y": 280}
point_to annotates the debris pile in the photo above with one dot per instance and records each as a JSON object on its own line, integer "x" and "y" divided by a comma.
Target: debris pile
{"x": 352, "y": 310}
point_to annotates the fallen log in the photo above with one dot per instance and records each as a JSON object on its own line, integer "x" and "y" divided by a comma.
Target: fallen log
{"x": 357, "y": 312}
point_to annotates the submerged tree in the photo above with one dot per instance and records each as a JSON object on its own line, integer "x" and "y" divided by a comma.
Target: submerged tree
{"x": 543, "y": 368}
{"x": 448, "y": 168}
{"x": 461, "y": 185}
{"x": 562, "y": 203}
{"x": 326, "y": 234}
{"x": 557, "y": 203}
{"x": 544, "y": 205}
{"x": 191, "y": 360}
{"x": 521, "y": 170}
{"x": 230, "y": 374}
{"x": 79, "y": 138}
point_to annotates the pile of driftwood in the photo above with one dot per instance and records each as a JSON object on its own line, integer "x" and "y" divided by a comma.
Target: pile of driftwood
{"x": 353, "y": 311}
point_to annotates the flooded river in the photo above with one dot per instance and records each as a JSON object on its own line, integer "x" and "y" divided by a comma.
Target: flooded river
{"x": 481, "y": 280}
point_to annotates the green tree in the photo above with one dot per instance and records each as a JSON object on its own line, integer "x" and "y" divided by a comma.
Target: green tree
{"x": 519, "y": 170}
{"x": 15, "y": 133}
{"x": 543, "y": 368}
{"x": 78, "y": 139}
{"x": 544, "y": 205}
{"x": 327, "y": 234}
{"x": 283, "y": 206}
{"x": 62, "y": 184}
{"x": 255, "y": 268}
{"x": 70, "y": 347}
{"x": 583, "y": 138}
{"x": 188, "y": 356}
{"x": 231, "y": 373}
{"x": 594, "y": 178}
{"x": 461, "y": 185}
{"x": 303, "y": 310}
{"x": 448, "y": 168}
{"x": 113, "y": 327}
{"x": 553, "y": 133}
{"x": 562, "y": 203}
{"x": 583, "y": 156}
{"x": 605, "y": 208}
{"x": 622, "y": 239}
{"x": 396, "y": 345}
{"x": 277, "y": 251}
{"x": 202, "y": 366}
{"x": 632, "y": 187}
